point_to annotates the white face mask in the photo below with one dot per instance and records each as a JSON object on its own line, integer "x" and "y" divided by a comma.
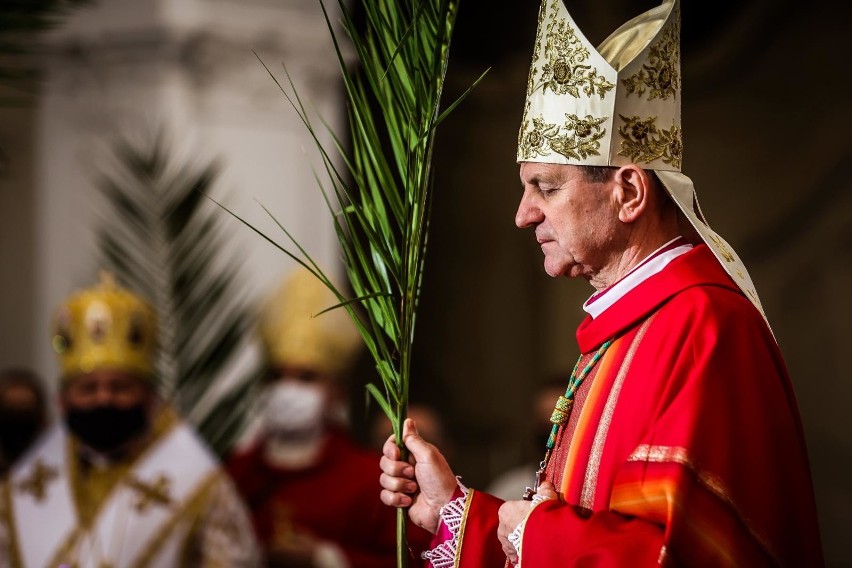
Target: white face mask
{"x": 294, "y": 409}
{"x": 293, "y": 418}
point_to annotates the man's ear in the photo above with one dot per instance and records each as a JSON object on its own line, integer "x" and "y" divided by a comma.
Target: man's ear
{"x": 632, "y": 190}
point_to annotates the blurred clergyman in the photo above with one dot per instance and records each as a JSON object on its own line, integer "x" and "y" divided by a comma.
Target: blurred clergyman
{"x": 302, "y": 446}
{"x": 23, "y": 414}
{"x": 121, "y": 480}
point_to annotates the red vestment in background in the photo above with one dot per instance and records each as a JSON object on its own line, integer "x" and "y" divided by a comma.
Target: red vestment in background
{"x": 685, "y": 446}
{"x": 335, "y": 500}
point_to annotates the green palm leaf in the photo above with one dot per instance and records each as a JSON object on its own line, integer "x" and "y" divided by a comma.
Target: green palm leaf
{"x": 381, "y": 198}
{"x": 162, "y": 239}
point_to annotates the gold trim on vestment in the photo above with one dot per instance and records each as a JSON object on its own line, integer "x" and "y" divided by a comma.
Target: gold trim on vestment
{"x": 9, "y": 520}
{"x": 38, "y": 480}
{"x": 194, "y": 504}
{"x": 678, "y": 455}
{"x": 467, "y": 503}
{"x": 587, "y": 495}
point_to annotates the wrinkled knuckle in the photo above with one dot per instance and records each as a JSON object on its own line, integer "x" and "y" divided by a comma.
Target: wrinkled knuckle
{"x": 390, "y": 483}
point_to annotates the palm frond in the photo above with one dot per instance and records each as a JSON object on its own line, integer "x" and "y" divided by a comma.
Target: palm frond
{"x": 380, "y": 197}
{"x": 163, "y": 240}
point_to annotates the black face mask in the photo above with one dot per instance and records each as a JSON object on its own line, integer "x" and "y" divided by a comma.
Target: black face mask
{"x": 18, "y": 430}
{"x": 107, "y": 428}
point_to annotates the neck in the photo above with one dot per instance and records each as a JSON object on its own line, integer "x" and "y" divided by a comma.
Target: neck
{"x": 637, "y": 249}
{"x": 101, "y": 458}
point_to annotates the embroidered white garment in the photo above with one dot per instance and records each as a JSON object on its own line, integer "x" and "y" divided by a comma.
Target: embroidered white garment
{"x": 178, "y": 462}
{"x": 652, "y": 264}
{"x": 451, "y": 514}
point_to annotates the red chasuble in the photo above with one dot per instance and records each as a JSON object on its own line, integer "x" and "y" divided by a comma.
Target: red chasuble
{"x": 685, "y": 447}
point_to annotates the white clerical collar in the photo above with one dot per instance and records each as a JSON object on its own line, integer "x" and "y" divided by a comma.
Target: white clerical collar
{"x": 652, "y": 264}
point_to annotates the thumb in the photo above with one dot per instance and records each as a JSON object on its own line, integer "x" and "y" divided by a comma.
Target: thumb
{"x": 411, "y": 437}
{"x": 409, "y": 427}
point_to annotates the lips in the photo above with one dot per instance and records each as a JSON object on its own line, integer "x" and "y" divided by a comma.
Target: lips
{"x": 541, "y": 239}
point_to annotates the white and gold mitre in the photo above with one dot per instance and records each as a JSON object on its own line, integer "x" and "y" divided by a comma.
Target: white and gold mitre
{"x": 295, "y": 334}
{"x": 105, "y": 327}
{"x": 615, "y": 105}
{"x": 611, "y": 106}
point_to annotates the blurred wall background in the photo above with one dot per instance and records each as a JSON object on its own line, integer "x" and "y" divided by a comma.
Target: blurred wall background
{"x": 190, "y": 72}
{"x": 766, "y": 132}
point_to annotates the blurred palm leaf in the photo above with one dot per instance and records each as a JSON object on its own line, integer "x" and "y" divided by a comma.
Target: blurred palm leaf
{"x": 163, "y": 241}
{"x": 380, "y": 199}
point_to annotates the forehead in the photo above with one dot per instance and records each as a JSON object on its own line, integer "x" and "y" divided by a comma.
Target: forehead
{"x": 536, "y": 173}
{"x": 18, "y": 395}
{"x": 105, "y": 378}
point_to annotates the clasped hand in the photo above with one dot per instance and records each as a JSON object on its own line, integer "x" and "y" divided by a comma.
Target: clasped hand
{"x": 424, "y": 483}
{"x": 512, "y": 513}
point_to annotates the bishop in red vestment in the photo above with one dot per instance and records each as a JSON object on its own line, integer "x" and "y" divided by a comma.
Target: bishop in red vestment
{"x": 685, "y": 448}
{"x": 678, "y": 441}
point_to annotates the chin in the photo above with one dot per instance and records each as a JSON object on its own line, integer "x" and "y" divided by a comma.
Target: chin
{"x": 555, "y": 269}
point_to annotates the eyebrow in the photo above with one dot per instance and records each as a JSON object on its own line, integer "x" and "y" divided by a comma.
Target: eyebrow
{"x": 538, "y": 179}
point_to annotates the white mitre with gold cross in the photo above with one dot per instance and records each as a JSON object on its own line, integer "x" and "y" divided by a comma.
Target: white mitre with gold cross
{"x": 614, "y": 105}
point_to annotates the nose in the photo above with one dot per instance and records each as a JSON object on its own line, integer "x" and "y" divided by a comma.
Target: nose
{"x": 104, "y": 395}
{"x": 528, "y": 213}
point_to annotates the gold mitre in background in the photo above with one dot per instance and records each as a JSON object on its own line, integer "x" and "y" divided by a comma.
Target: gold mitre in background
{"x": 294, "y": 335}
{"x": 615, "y": 105}
{"x": 105, "y": 327}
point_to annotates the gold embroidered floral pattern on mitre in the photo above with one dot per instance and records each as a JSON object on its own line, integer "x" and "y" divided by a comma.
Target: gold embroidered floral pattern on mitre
{"x": 578, "y": 138}
{"x": 660, "y": 76}
{"x": 645, "y": 142}
{"x": 565, "y": 70}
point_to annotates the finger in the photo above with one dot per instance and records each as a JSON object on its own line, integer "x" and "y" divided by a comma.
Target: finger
{"x": 396, "y": 468}
{"x": 397, "y": 484}
{"x": 547, "y": 489}
{"x": 394, "y": 499}
{"x": 509, "y": 550}
{"x": 390, "y": 449}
